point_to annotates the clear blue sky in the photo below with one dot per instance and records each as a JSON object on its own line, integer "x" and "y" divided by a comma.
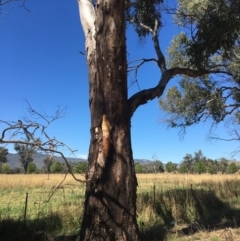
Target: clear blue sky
{"x": 40, "y": 62}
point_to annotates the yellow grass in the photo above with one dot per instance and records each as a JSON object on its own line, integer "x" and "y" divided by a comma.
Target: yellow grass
{"x": 42, "y": 181}
{"x": 185, "y": 178}
{"x": 67, "y": 200}
{"x": 33, "y": 180}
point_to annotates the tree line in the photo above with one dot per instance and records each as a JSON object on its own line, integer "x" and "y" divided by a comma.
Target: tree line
{"x": 51, "y": 164}
{"x": 191, "y": 164}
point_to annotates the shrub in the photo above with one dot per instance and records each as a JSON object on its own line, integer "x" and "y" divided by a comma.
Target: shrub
{"x": 6, "y": 168}
{"x": 171, "y": 167}
{"x": 80, "y": 167}
{"x": 56, "y": 167}
{"x": 31, "y": 167}
{"x": 232, "y": 168}
{"x": 138, "y": 168}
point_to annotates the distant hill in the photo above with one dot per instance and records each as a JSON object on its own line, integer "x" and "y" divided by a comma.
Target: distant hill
{"x": 142, "y": 161}
{"x": 13, "y": 160}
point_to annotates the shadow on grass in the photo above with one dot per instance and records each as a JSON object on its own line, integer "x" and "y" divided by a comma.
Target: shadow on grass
{"x": 187, "y": 211}
{"x": 183, "y": 211}
{"x": 41, "y": 229}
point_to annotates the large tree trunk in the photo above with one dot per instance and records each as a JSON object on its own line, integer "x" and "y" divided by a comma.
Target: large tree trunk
{"x": 110, "y": 202}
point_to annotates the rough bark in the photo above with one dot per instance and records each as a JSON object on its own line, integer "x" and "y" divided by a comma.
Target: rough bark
{"x": 110, "y": 201}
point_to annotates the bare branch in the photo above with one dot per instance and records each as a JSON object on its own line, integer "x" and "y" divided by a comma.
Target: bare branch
{"x": 22, "y": 6}
{"x": 161, "y": 59}
{"x": 7, "y": 1}
{"x": 34, "y": 134}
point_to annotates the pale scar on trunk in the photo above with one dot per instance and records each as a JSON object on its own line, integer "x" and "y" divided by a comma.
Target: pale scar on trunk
{"x": 106, "y": 139}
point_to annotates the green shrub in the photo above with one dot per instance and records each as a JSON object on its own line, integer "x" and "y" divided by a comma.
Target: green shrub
{"x": 232, "y": 168}
{"x": 6, "y": 168}
{"x": 56, "y": 167}
{"x": 80, "y": 167}
{"x": 31, "y": 168}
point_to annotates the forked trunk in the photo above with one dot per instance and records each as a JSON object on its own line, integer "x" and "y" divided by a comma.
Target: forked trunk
{"x": 110, "y": 201}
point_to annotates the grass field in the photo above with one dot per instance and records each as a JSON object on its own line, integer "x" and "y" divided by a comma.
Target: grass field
{"x": 169, "y": 206}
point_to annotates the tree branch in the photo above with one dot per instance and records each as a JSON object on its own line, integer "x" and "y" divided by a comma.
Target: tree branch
{"x": 8, "y": 1}
{"x": 34, "y": 134}
{"x": 142, "y": 97}
{"x": 161, "y": 59}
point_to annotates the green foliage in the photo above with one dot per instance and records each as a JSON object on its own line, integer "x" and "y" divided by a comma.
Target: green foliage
{"x": 232, "y": 168}
{"x": 81, "y": 167}
{"x": 145, "y": 12}
{"x": 56, "y": 167}
{"x": 194, "y": 100}
{"x": 31, "y": 168}
{"x": 3, "y": 154}
{"x": 198, "y": 163}
{"x": 138, "y": 168}
{"x": 6, "y": 168}
{"x": 200, "y": 167}
{"x": 214, "y": 25}
{"x": 183, "y": 168}
{"x": 177, "y": 52}
{"x": 186, "y": 165}
{"x": 171, "y": 167}
{"x": 212, "y": 42}
{"x": 212, "y": 167}
{"x": 26, "y": 154}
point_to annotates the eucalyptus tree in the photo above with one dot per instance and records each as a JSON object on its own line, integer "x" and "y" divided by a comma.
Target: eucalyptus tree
{"x": 110, "y": 205}
{"x": 48, "y": 161}
{"x": 200, "y": 52}
{"x": 26, "y": 154}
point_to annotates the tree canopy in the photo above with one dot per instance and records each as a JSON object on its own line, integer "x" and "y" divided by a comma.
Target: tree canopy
{"x": 211, "y": 42}
{"x": 26, "y": 154}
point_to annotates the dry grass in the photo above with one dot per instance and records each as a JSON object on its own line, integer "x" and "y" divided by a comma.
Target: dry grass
{"x": 168, "y": 178}
{"x": 49, "y": 206}
{"x": 35, "y": 181}
{"x": 185, "y": 198}
{"x": 176, "y": 197}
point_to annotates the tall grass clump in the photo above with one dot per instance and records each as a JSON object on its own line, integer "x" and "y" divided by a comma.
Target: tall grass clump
{"x": 50, "y": 208}
{"x": 184, "y": 199}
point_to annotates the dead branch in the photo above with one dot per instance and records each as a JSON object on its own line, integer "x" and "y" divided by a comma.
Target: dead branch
{"x": 32, "y": 133}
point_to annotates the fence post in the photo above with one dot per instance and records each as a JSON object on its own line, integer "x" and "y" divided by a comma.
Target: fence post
{"x": 25, "y": 211}
{"x": 154, "y": 188}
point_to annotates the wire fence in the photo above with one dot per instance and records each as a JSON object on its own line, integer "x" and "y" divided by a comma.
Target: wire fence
{"x": 33, "y": 204}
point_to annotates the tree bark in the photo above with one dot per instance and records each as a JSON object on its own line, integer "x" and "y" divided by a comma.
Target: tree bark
{"x": 110, "y": 198}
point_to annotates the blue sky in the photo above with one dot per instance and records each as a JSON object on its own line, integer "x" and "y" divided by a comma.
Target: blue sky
{"x": 40, "y": 62}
